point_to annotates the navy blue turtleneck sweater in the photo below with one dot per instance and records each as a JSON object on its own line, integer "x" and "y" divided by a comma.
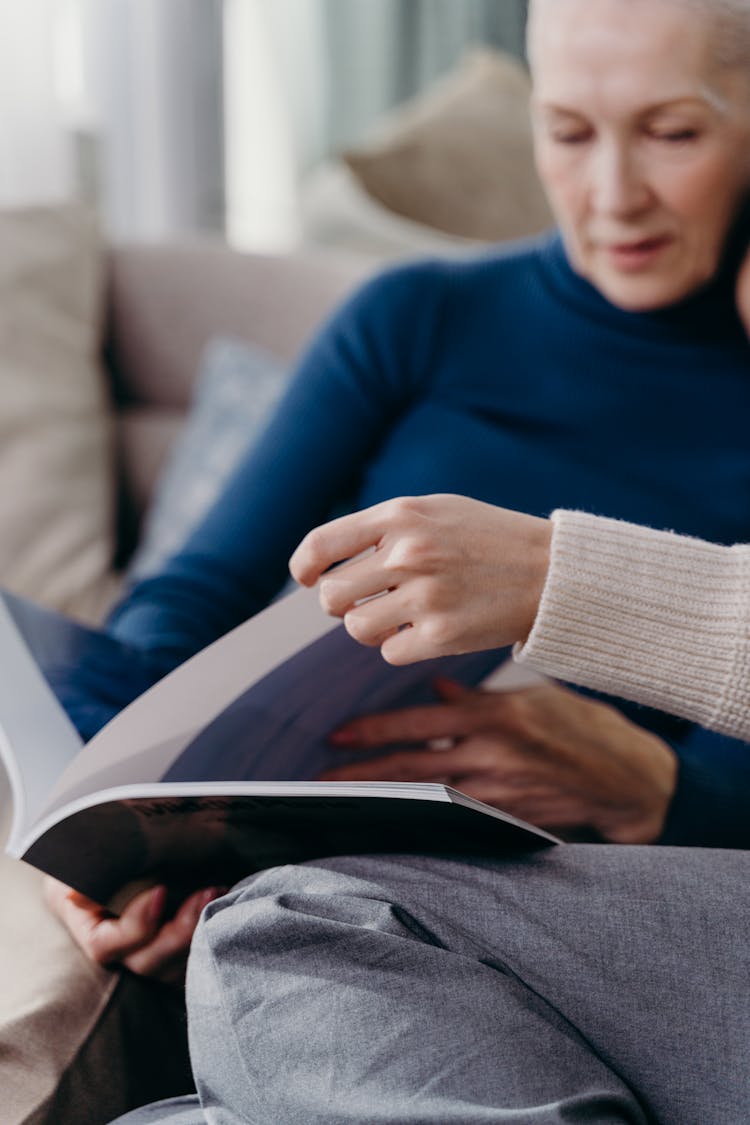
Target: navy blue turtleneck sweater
{"x": 509, "y": 378}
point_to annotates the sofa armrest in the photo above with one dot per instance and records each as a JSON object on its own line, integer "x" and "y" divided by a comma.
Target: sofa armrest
{"x": 166, "y": 301}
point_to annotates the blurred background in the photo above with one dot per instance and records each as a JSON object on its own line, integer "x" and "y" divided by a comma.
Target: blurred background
{"x": 224, "y": 116}
{"x": 243, "y": 164}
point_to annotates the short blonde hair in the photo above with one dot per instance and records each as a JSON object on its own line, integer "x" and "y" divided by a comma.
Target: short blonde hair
{"x": 732, "y": 22}
{"x": 732, "y": 19}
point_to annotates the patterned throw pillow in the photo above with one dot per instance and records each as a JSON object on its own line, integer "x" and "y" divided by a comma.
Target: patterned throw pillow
{"x": 235, "y": 393}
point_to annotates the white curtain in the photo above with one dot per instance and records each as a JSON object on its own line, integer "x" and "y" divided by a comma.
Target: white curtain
{"x": 275, "y": 106}
{"x": 183, "y": 115}
{"x": 118, "y": 101}
{"x": 156, "y": 83}
{"x": 380, "y": 52}
{"x": 305, "y": 78}
{"x": 36, "y": 156}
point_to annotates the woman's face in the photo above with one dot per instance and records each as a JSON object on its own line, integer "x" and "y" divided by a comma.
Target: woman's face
{"x": 642, "y": 141}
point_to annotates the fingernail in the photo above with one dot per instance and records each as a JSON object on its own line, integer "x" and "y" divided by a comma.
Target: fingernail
{"x": 344, "y": 736}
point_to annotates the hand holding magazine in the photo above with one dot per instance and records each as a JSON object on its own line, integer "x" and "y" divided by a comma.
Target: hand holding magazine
{"x": 210, "y": 774}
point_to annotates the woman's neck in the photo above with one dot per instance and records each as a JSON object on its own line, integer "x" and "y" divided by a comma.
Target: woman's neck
{"x": 709, "y": 313}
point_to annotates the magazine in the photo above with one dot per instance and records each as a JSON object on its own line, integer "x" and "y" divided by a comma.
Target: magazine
{"x": 210, "y": 773}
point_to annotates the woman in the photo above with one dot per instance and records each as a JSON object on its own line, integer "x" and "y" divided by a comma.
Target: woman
{"x": 589, "y": 983}
{"x": 606, "y": 370}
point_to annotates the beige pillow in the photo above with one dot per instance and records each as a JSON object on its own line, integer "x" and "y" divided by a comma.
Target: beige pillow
{"x": 56, "y": 472}
{"x": 459, "y": 158}
{"x": 338, "y": 214}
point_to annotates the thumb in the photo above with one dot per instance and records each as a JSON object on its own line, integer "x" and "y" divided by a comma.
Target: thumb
{"x": 111, "y": 939}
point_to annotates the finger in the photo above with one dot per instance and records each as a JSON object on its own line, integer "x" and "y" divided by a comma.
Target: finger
{"x": 416, "y": 765}
{"x": 408, "y": 646}
{"x": 105, "y": 938}
{"x": 78, "y": 913}
{"x": 493, "y": 704}
{"x": 332, "y": 542}
{"x": 537, "y": 805}
{"x": 472, "y": 712}
{"x": 56, "y": 895}
{"x": 165, "y": 955}
{"x": 533, "y": 803}
{"x": 409, "y": 724}
{"x": 342, "y": 588}
{"x": 381, "y": 617}
{"x": 113, "y": 938}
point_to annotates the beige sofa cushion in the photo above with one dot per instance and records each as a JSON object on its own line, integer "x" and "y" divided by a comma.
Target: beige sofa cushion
{"x": 459, "y": 157}
{"x": 338, "y": 214}
{"x": 79, "y": 1045}
{"x": 57, "y": 495}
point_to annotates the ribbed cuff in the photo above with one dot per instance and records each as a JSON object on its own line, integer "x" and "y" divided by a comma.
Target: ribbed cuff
{"x": 648, "y": 615}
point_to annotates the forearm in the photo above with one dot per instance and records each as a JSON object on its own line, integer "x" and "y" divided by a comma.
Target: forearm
{"x": 305, "y": 465}
{"x": 648, "y": 615}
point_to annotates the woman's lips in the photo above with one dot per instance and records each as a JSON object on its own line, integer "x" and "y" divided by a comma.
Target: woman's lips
{"x": 631, "y": 257}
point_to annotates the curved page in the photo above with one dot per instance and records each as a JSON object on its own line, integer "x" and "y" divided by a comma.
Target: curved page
{"x": 37, "y": 740}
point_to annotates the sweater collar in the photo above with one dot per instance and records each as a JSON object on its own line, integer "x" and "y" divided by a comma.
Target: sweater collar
{"x": 709, "y": 315}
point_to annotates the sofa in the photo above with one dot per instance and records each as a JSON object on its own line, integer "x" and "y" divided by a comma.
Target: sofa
{"x": 164, "y": 304}
{"x": 82, "y": 442}
{"x": 80, "y": 1044}
{"x": 100, "y": 351}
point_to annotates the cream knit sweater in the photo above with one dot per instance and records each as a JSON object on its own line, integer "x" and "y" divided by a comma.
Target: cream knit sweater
{"x": 652, "y": 616}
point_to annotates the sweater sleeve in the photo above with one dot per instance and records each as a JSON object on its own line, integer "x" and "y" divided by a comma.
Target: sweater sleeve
{"x": 356, "y": 379}
{"x": 709, "y": 806}
{"x": 660, "y": 618}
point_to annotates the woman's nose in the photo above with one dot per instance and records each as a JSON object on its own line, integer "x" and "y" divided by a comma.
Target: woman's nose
{"x": 618, "y": 186}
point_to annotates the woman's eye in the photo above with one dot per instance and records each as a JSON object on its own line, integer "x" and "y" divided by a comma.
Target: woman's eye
{"x": 576, "y": 138}
{"x": 675, "y": 136}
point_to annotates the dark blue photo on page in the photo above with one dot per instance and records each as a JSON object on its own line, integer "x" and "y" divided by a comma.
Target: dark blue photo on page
{"x": 278, "y": 729}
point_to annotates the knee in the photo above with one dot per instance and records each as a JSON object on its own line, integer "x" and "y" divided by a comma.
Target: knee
{"x": 297, "y": 912}
{"x": 278, "y": 906}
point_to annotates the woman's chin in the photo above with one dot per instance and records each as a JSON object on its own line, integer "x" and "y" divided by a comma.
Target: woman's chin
{"x": 643, "y": 293}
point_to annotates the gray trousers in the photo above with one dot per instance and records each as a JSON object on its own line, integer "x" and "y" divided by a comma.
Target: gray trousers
{"x": 583, "y": 984}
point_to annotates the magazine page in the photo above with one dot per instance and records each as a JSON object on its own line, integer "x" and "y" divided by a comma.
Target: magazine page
{"x": 259, "y": 704}
{"x": 60, "y": 682}
{"x": 190, "y": 834}
{"x": 142, "y": 742}
{"x": 66, "y": 653}
{"x": 279, "y": 729}
{"x": 209, "y": 774}
{"x": 37, "y": 740}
